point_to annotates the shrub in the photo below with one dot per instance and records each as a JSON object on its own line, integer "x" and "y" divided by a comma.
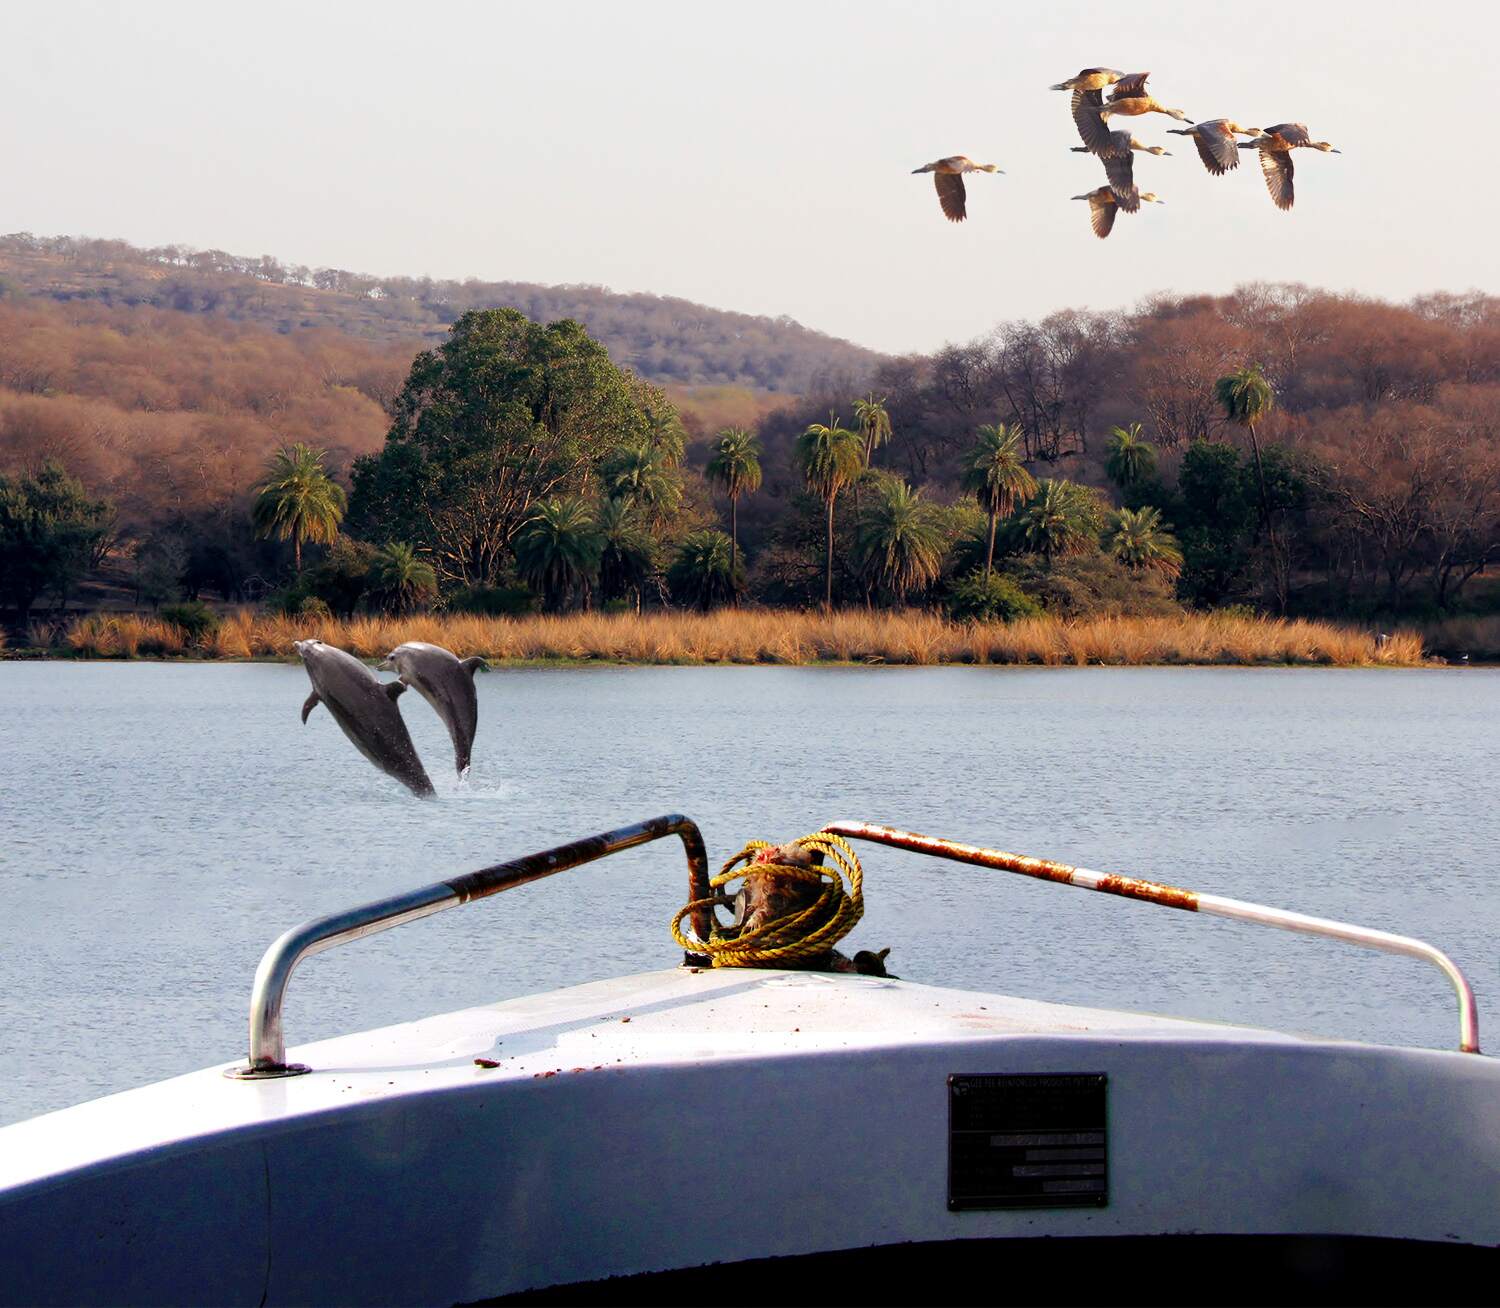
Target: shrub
{"x": 288, "y": 600}
{"x": 194, "y": 617}
{"x": 341, "y": 579}
{"x": 1093, "y": 585}
{"x": 492, "y": 601}
{"x": 313, "y": 606}
{"x": 977, "y": 598}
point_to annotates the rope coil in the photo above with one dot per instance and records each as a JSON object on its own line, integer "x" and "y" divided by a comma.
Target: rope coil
{"x": 800, "y": 936}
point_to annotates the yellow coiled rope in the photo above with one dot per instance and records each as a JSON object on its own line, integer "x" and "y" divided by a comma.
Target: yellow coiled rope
{"x": 794, "y": 937}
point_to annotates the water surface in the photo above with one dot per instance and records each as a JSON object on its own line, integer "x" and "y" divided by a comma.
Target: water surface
{"x": 161, "y": 824}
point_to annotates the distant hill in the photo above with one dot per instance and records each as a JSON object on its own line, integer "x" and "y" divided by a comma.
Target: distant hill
{"x": 664, "y": 339}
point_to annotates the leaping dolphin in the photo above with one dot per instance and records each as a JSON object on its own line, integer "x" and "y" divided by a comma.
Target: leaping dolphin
{"x": 365, "y": 709}
{"x": 447, "y": 683}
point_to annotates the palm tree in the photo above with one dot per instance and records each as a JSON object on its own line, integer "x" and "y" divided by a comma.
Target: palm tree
{"x": 666, "y": 435}
{"x": 400, "y": 578}
{"x": 557, "y": 549}
{"x": 1062, "y": 518}
{"x": 1246, "y": 397}
{"x": 996, "y": 477}
{"x": 702, "y": 572}
{"x": 735, "y": 469}
{"x": 830, "y": 458}
{"x": 900, "y": 538}
{"x": 299, "y": 500}
{"x": 642, "y": 474}
{"x": 1131, "y": 457}
{"x": 627, "y": 554}
{"x": 874, "y": 424}
{"x": 1139, "y": 540}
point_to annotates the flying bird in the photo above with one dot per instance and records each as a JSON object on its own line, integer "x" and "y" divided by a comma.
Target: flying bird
{"x": 1085, "y": 108}
{"x": 1129, "y": 97}
{"x": 1118, "y": 159}
{"x": 947, "y": 176}
{"x": 1091, "y": 79}
{"x": 1214, "y": 138}
{"x": 1276, "y": 145}
{"x": 1103, "y": 206}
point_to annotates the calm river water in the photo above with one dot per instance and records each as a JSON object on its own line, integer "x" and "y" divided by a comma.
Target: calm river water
{"x": 161, "y": 824}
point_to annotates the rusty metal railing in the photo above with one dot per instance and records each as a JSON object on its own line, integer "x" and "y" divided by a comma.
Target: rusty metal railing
{"x": 267, "y": 1042}
{"x": 1155, "y": 892}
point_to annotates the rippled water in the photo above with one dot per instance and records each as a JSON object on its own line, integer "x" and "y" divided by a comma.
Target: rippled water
{"x": 161, "y": 824}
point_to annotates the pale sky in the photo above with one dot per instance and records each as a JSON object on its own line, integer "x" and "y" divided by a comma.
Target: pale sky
{"x": 758, "y": 156}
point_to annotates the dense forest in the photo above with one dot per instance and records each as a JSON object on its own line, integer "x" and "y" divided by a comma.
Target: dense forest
{"x": 1280, "y": 449}
{"x": 1382, "y": 440}
{"x": 662, "y": 338}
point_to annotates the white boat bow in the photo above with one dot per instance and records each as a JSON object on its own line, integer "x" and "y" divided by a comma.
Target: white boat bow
{"x": 866, "y": 1135}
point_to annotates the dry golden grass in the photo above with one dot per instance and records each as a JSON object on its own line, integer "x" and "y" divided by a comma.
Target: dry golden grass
{"x": 126, "y": 635}
{"x": 766, "y": 636}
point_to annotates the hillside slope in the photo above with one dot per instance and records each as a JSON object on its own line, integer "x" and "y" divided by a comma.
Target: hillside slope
{"x": 664, "y": 339}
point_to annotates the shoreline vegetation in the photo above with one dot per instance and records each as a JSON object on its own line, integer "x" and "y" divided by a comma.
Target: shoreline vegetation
{"x": 751, "y": 636}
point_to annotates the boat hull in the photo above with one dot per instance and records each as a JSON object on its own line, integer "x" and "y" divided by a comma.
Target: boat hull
{"x": 672, "y": 1122}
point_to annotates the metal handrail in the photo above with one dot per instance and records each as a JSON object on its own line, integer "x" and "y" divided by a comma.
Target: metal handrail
{"x": 267, "y": 1042}
{"x": 1173, "y": 897}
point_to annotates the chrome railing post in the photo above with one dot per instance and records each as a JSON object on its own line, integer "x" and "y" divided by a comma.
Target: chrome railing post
{"x": 1174, "y": 897}
{"x": 267, "y": 1040}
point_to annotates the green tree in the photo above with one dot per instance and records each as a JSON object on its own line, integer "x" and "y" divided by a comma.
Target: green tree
{"x": 996, "y": 476}
{"x": 1061, "y": 518}
{"x": 703, "y": 573}
{"x": 627, "y": 552}
{"x": 1139, "y": 539}
{"x": 1130, "y": 458}
{"x": 160, "y": 560}
{"x": 900, "y": 540}
{"x": 401, "y": 581}
{"x": 830, "y": 458}
{"x": 874, "y": 424}
{"x": 735, "y": 469}
{"x": 298, "y": 501}
{"x": 504, "y": 414}
{"x": 341, "y": 578}
{"x": 1215, "y": 514}
{"x": 50, "y": 534}
{"x": 557, "y": 550}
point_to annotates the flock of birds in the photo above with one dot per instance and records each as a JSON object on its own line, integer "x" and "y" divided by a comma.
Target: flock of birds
{"x": 1116, "y": 150}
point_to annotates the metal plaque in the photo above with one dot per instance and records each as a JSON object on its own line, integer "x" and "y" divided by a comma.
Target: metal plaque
{"x": 1027, "y": 1141}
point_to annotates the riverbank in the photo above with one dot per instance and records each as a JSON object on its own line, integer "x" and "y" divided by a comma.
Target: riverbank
{"x": 750, "y": 636}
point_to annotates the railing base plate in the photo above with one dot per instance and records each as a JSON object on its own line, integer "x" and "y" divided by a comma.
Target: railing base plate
{"x": 248, "y": 1073}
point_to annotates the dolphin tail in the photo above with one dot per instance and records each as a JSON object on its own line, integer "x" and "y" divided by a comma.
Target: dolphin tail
{"x": 473, "y": 665}
{"x": 309, "y": 704}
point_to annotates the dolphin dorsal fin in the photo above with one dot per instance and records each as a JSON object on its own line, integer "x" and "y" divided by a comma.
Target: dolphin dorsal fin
{"x": 473, "y": 665}
{"x": 309, "y": 704}
{"x": 395, "y": 689}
